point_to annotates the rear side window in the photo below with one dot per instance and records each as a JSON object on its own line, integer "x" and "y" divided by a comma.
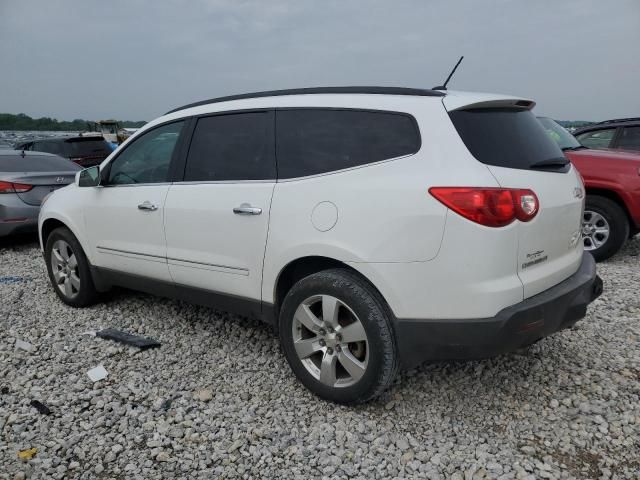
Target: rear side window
{"x": 236, "y": 146}
{"x": 504, "y": 137}
{"x": 597, "y": 138}
{"x": 630, "y": 138}
{"x": 313, "y": 141}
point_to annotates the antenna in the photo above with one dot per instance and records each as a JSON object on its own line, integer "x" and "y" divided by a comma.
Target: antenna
{"x": 444, "y": 86}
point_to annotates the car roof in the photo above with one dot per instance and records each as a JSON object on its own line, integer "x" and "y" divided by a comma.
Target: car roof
{"x": 71, "y": 138}
{"x": 422, "y": 92}
{"x": 614, "y": 123}
{"x": 620, "y": 120}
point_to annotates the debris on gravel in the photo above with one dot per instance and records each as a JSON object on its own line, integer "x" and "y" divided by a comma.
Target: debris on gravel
{"x": 219, "y": 400}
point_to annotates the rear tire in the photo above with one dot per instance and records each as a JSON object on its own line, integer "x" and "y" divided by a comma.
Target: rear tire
{"x": 68, "y": 269}
{"x": 605, "y": 227}
{"x": 336, "y": 334}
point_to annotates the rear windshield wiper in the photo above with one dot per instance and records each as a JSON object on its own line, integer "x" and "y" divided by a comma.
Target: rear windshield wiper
{"x": 579, "y": 147}
{"x": 551, "y": 163}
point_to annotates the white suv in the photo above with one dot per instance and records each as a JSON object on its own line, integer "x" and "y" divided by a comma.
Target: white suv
{"x": 374, "y": 227}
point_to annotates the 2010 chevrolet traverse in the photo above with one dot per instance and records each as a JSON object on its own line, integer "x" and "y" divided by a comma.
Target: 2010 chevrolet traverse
{"x": 374, "y": 227}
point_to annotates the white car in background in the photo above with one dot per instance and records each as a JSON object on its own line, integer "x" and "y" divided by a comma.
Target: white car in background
{"x": 374, "y": 227}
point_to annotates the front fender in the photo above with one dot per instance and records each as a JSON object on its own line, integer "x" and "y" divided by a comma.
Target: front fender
{"x": 64, "y": 207}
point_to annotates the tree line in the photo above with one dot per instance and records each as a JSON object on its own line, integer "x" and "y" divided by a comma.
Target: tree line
{"x": 21, "y": 121}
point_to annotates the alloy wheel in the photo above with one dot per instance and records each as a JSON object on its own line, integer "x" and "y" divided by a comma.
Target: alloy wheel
{"x": 330, "y": 341}
{"x": 595, "y": 230}
{"x": 64, "y": 266}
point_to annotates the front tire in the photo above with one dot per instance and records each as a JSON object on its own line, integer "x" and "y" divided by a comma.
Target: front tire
{"x": 336, "y": 334}
{"x": 68, "y": 269}
{"x": 605, "y": 227}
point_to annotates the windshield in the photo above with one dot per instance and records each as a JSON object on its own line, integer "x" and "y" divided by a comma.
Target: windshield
{"x": 559, "y": 135}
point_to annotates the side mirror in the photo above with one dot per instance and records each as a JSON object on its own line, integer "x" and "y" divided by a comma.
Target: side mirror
{"x": 89, "y": 177}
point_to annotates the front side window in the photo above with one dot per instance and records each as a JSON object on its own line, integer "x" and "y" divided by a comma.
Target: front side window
{"x": 231, "y": 147}
{"x": 630, "y": 138}
{"x": 597, "y": 139}
{"x": 313, "y": 141}
{"x": 147, "y": 159}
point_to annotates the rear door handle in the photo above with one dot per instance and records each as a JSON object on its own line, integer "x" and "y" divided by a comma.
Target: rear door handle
{"x": 247, "y": 209}
{"x": 147, "y": 206}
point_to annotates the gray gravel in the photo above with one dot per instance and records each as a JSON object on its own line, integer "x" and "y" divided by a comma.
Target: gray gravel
{"x": 218, "y": 399}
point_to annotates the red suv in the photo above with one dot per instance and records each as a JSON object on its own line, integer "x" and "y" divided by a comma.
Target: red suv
{"x": 612, "y": 182}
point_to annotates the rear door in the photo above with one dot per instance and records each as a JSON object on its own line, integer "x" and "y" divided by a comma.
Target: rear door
{"x": 629, "y": 138}
{"x": 513, "y": 145}
{"x": 216, "y": 220}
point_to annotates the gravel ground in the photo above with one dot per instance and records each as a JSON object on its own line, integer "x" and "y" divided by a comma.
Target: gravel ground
{"x": 218, "y": 399}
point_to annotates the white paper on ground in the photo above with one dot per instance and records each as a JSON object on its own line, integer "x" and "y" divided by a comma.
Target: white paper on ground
{"x": 26, "y": 346}
{"x": 97, "y": 373}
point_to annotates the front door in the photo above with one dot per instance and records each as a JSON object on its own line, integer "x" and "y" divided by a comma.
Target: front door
{"x": 124, "y": 216}
{"x": 216, "y": 220}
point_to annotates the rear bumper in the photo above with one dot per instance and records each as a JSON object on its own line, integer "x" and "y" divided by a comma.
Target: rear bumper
{"x": 17, "y": 217}
{"x": 516, "y": 326}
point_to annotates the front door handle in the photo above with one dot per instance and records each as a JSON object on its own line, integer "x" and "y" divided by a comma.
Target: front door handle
{"x": 147, "y": 206}
{"x": 247, "y": 209}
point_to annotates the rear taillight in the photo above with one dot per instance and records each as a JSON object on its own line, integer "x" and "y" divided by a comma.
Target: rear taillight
{"x": 492, "y": 207}
{"x": 9, "y": 187}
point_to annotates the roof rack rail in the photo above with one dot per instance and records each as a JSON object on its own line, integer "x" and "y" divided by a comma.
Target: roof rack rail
{"x": 423, "y": 92}
{"x": 617, "y": 120}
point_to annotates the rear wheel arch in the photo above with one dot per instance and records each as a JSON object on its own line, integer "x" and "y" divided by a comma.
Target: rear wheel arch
{"x": 304, "y": 266}
{"x": 614, "y": 197}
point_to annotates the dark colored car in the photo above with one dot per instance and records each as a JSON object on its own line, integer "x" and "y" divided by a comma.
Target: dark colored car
{"x": 26, "y": 178}
{"x": 86, "y": 151}
{"x": 622, "y": 133}
{"x": 612, "y": 183}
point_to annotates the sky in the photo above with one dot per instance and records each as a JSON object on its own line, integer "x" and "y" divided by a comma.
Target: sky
{"x": 135, "y": 59}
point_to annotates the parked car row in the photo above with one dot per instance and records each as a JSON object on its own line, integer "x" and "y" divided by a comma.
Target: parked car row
{"x": 26, "y": 178}
{"x": 329, "y": 214}
{"x": 85, "y": 150}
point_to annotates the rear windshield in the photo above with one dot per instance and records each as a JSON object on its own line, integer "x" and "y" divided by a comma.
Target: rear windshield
{"x": 86, "y": 147}
{"x": 505, "y": 137}
{"x": 36, "y": 163}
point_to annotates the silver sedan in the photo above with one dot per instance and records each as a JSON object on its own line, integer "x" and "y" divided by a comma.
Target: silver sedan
{"x": 25, "y": 179}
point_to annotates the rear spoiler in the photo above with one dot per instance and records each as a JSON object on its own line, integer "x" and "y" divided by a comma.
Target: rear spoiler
{"x": 468, "y": 101}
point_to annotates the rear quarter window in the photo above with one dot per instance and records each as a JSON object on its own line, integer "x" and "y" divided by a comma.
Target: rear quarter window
{"x": 505, "y": 137}
{"x": 314, "y": 141}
